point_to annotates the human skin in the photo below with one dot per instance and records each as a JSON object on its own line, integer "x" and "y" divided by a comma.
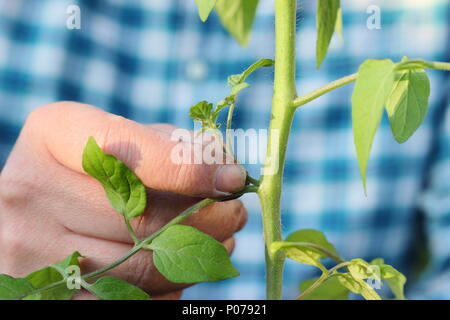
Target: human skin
{"x": 49, "y": 207}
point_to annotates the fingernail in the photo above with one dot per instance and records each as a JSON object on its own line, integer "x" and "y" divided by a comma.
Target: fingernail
{"x": 230, "y": 178}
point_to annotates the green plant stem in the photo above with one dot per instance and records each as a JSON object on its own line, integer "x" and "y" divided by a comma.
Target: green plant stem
{"x": 228, "y": 129}
{"x": 325, "y": 276}
{"x": 419, "y": 63}
{"x": 299, "y": 101}
{"x": 439, "y": 65}
{"x": 282, "y": 114}
{"x": 330, "y": 254}
{"x": 131, "y": 231}
{"x": 142, "y": 243}
{"x": 252, "y": 180}
{"x": 318, "y": 282}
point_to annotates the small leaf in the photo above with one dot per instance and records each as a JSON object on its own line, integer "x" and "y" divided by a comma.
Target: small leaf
{"x": 372, "y": 89}
{"x": 339, "y": 25}
{"x": 238, "y": 88}
{"x": 377, "y": 261}
{"x": 331, "y": 289}
{"x": 394, "y": 278}
{"x": 185, "y": 255}
{"x": 407, "y": 105}
{"x": 299, "y": 253}
{"x": 13, "y": 288}
{"x": 357, "y": 286}
{"x": 125, "y": 191}
{"x": 201, "y": 111}
{"x": 236, "y": 79}
{"x": 204, "y": 8}
{"x": 110, "y": 288}
{"x": 72, "y": 260}
{"x": 237, "y": 17}
{"x": 51, "y": 274}
{"x": 312, "y": 236}
{"x": 361, "y": 270}
{"x": 327, "y": 17}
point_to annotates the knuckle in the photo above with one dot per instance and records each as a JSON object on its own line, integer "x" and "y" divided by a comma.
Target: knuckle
{"x": 39, "y": 118}
{"x": 42, "y": 113}
{"x": 11, "y": 244}
{"x": 194, "y": 179}
{"x": 15, "y": 191}
{"x": 116, "y": 137}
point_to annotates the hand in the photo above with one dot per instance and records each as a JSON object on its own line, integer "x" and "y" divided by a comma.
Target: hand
{"x": 49, "y": 207}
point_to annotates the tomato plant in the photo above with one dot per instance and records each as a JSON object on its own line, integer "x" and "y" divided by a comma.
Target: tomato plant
{"x": 183, "y": 254}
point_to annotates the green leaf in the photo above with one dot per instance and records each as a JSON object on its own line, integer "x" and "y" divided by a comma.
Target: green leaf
{"x": 327, "y": 18}
{"x": 394, "y": 278}
{"x": 361, "y": 270}
{"x": 237, "y": 82}
{"x": 331, "y": 289}
{"x": 201, "y": 111}
{"x": 237, "y": 17}
{"x": 54, "y": 273}
{"x": 299, "y": 253}
{"x": 407, "y": 105}
{"x": 339, "y": 25}
{"x": 125, "y": 191}
{"x": 312, "y": 236}
{"x": 377, "y": 261}
{"x": 236, "y": 79}
{"x": 372, "y": 89}
{"x": 185, "y": 255}
{"x": 238, "y": 88}
{"x": 110, "y": 288}
{"x": 13, "y": 288}
{"x": 204, "y": 8}
{"x": 72, "y": 260}
{"x": 357, "y": 286}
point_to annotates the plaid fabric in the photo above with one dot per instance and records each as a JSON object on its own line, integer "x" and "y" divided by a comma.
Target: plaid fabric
{"x": 151, "y": 60}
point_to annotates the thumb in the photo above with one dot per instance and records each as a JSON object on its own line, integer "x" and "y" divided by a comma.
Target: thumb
{"x": 62, "y": 129}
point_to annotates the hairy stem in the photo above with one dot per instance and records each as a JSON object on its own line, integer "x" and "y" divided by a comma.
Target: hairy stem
{"x": 228, "y": 130}
{"x": 280, "y": 125}
{"x": 299, "y": 101}
{"x": 131, "y": 231}
{"x": 318, "y": 282}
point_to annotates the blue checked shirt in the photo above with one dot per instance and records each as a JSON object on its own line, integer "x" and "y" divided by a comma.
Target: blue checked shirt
{"x": 151, "y": 60}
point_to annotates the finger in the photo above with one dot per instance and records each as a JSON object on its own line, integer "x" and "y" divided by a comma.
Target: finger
{"x": 96, "y": 218}
{"x": 221, "y": 219}
{"x": 85, "y": 295}
{"x": 176, "y": 295}
{"x": 63, "y": 128}
{"x": 163, "y": 127}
